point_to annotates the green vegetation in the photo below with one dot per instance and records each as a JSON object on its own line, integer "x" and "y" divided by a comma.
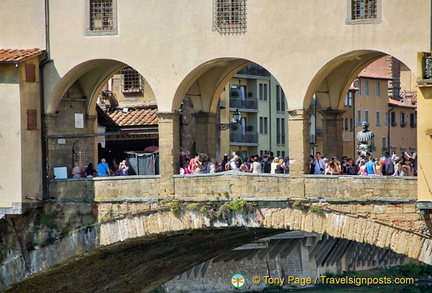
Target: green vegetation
{"x": 192, "y": 207}
{"x": 316, "y": 209}
{"x": 297, "y": 203}
{"x": 174, "y": 207}
{"x": 226, "y": 194}
{"x": 236, "y": 205}
{"x": 47, "y": 219}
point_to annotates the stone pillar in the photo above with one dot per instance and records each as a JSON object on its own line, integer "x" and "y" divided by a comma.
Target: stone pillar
{"x": 298, "y": 138}
{"x": 206, "y": 133}
{"x": 169, "y": 145}
{"x": 332, "y": 133}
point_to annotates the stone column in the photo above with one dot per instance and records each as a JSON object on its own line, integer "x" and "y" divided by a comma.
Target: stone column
{"x": 298, "y": 138}
{"x": 169, "y": 145}
{"x": 332, "y": 133}
{"x": 206, "y": 133}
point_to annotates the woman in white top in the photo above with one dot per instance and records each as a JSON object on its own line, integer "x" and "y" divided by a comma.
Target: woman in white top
{"x": 274, "y": 165}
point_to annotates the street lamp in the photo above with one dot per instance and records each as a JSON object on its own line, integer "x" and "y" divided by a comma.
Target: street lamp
{"x": 235, "y": 121}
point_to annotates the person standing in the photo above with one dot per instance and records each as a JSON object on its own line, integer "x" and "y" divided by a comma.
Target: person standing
{"x": 77, "y": 170}
{"x": 370, "y": 166}
{"x": 256, "y": 165}
{"x": 103, "y": 169}
{"x": 319, "y": 164}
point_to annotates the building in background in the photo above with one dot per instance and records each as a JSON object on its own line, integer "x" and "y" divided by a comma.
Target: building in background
{"x": 262, "y": 127}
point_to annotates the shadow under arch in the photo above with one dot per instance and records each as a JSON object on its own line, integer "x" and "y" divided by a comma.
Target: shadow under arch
{"x": 333, "y": 80}
{"x": 211, "y": 78}
{"x": 148, "y": 257}
{"x": 92, "y": 75}
{"x": 140, "y": 264}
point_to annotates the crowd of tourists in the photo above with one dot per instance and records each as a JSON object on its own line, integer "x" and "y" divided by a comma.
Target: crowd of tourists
{"x": 102, "y": 169}
{"x": 388, "y": 165}
{"x": 255, "y": 164}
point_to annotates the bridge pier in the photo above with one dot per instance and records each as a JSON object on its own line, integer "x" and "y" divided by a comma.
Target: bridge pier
{"x": 168, "y": 150}
{"x": 206, "y": 133}
{"x": 332, "y": 133}
{"x": 298, "y": 141}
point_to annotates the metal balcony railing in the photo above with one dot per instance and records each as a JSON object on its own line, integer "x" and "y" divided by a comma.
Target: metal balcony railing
{"x": 249, "y": 103}
{"x": 248, "y": 137}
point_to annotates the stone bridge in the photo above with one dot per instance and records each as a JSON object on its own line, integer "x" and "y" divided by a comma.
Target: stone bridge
{"x": 121, "y": 235}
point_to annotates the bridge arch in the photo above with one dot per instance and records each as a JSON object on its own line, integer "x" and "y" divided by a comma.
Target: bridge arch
{"x": 138, "y": 251}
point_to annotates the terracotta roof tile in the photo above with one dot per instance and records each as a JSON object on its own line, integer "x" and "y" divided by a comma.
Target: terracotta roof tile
{"x": 135, "y": 116}
{"x": 17, "y": 55}
{"x": 401, "y": 104}
{"x": 365, "y": 74}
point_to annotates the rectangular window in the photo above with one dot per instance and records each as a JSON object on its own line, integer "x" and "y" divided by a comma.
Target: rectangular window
{"x": 346, "y": 124}
{"x": 283, "y": 131}
{"x": 393, "y": 118}
{"x": 229, "y": 16}
{"x": 377, "y": 89}
{"x": 351, "y": 125}
{"x": 359, "y": 120}
{"x": 278, "y": 99}
{"x": 386, "y": 118}
{"x": 132, "y": 81}
{"x": 378, "y": 118}
{"x": 402, "y": 119}
{"x": 367, "y": 116}
{"x": 364, "y": 9}
{"x": 261, "y": 91}
{"x": 101, "y": 15}
{"x": 359, "y": 87}
{"x": 366, "y": 88}
{"x": 384, "y": 143}
{"x": 280, "y": 131}
{"x": 282, "y": 100}
{"x": 412, "y": 120}
{"x": 263, "y": 125}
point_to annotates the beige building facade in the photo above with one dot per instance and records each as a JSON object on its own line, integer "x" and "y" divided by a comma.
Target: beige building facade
{"x": 261, "y": 101}
{"x": 200, "y": 45}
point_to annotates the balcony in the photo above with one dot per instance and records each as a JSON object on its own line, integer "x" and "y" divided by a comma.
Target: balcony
{"x": 248, "y": 103}
{"x": 248, "y": 137}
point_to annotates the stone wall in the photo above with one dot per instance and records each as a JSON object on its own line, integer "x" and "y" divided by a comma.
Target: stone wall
{"x": 240, "y": 185}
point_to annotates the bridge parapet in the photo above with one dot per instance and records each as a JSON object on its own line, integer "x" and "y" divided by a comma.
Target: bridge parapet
{"x": 238, "y": 185}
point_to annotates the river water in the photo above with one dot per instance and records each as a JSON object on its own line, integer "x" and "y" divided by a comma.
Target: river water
{"x": 419, "y": 288}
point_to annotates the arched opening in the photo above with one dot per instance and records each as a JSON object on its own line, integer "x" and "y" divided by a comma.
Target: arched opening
{"x": 233, "y": 108}
{"x": 106, "y": 109}
{"x": 357, "y": 87}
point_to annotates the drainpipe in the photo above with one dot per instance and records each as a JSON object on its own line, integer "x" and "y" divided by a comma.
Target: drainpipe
{"x": 42, "y": 65}
{"x": 270, "y": 115}
{"x": 388, "y": 129}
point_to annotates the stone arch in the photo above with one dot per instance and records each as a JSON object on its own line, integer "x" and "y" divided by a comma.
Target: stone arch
{"x": 329, "y": 87}
{"x": 133, "y": 243}
{"x": 77, "y": 92}
{"x": 204, "y": 87}
{"x": 209, "y": 79}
